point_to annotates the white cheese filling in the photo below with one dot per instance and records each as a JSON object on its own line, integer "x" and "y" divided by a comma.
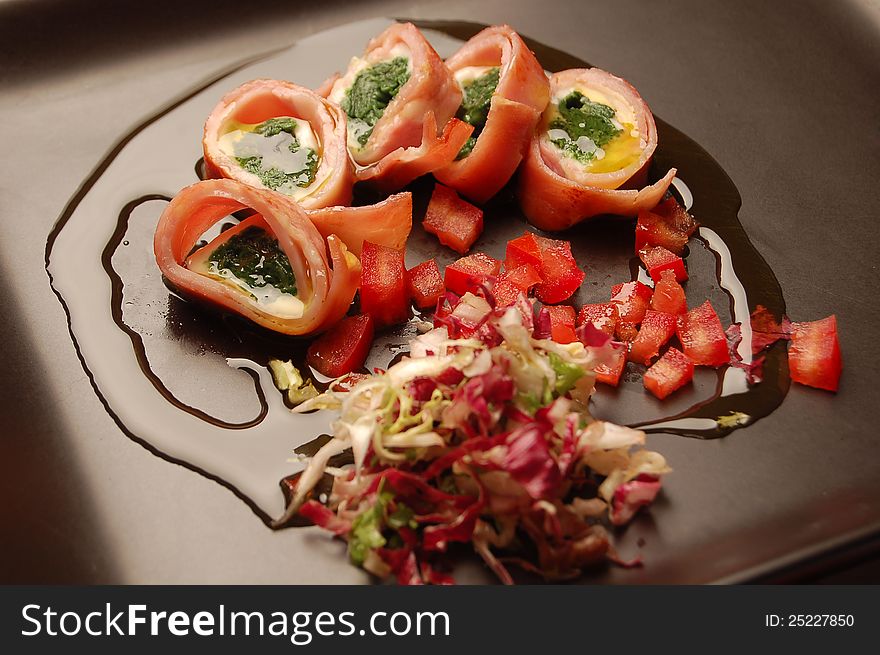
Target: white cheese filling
{"x": 265, "y": 296}
{"x": 275, "y": 152}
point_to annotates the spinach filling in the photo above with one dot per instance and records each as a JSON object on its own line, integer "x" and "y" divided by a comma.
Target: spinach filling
{"x": 474, "y": 109}
{"x": 254, "y": 256}
{"x": 370, "y": 94}
{"x": 583, "y": 126}
{"x": 290, "y": 165}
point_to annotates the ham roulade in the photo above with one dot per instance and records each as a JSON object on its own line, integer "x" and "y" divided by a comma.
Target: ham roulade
{"x": 272, "y": 268}
{"x": 590, "y": 153}
{"x": 400, "y": 100}
{"x": 280, "y": 136}
{"x": 387, "y": 223}
{"x": 504, "y": 91}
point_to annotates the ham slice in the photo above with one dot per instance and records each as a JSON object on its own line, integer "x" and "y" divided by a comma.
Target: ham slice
{"x": 557, "y": 191}
{"x": 518, "y": 102}
{"x": 416, "y": 133}
{"x": 260, "y": 100}
{"x": 326, "y": 285}
{"x": 386, "y": 223}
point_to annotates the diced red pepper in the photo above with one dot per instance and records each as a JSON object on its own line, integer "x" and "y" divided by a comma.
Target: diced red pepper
{"x": 523, "y": 250}
{"x": 653, "y": 230}
{"x": 610, "y": 373}
{"x": 505, "y": 293}
{"x": 670, "y": 372}
{"x": 425, "y": 284}
{"x": 561, "y": 323}
{"x": 632, "y": 300}
{"x": 603, "y": 316}
{"x": 456, "y": 222}
{"x": 626, "y": 331}
{"x": 469, "y": 272}
{"x": 657, "y": 328}
{"x": 524, "y": 277}
{"x": 702, "y": 337}
{"x": 659, "y": 259}
{"x": 814, "y": 354}
{"x": 343, "y": 348}
{"x": 562, "y": 276}
{"x": 676, "y": 216}
{"x": 668, "y": 295}
{"x": 383, "y": 284}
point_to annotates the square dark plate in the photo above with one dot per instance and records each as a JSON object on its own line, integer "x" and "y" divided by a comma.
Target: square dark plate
{"x": 792, "y": 124}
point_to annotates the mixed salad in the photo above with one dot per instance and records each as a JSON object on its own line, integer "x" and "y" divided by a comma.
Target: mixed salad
{"x": 482, "y": 435}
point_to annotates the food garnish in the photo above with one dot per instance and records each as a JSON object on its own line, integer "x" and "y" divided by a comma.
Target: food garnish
{"x": 481, "y": 435}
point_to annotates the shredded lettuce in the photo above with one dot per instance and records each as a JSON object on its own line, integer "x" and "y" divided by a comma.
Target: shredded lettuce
{"x": 481, "y": 435}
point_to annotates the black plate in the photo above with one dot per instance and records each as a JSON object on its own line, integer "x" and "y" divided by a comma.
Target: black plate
{"x": 797, "y": 481}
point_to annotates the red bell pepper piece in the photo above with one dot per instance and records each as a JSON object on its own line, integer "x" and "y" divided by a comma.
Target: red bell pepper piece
{"x": 632, "y": 300}
{"x": 505, "y": 293}
{"x": 524, "y": 277}
{"x": 610, "y": 373}
{"x": 383, "y": 284}
{"x": 603, "y": 316}
{"x": 702, "y": 337}
{"x": 523, "y": 250}
{"x": 814, "y": 354}
{"x": 469, "y": 272}
{"x": 653, "y": 230}
{"x": 668, "y": 295}
{"x": 657, "y": 328}
{"x": 456, "y": 222}
{"x": 670, "y": 372}
{"x": 561, "y": 323}
{"x": 659, "y": 259}
{"x": 425, "y": 284}
{"x": 676, "y": 216}
{"x": 626, "y": 332}
{"x": 562, "y": 276}
{"x": 343, "y": 348}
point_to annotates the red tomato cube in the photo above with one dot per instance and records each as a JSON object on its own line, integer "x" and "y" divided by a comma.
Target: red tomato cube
{"x": 670, "y": 372}
{"x": 702, "y": 336}
{"x": 657, "y": 328}
{"x": 610, "y": 373}
{"x": 524, "y": 277}
{"x": 562, "y": 276}
{"x": 668, "y": 295}
{"x": 632, "y": 300}
{"x": 468, "y": 273}
{"x": 456, "y": 222}
{"x": 523, "y": 250}
{"x": 561, "y": 323}
{"x": 425, "y": 284}
{"x": 343, "y": 348}
{"x": 659, "y": 259}
{"x": 383, "y": 284}
{"x": 814, "y": 354}
{"x": 603, "y": 316}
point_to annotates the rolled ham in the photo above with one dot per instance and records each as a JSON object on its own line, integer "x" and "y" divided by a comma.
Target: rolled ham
{"x": 321, "y": 124}
{"x": 520, "y": 98}
{"x": 387, "y": 223}
{"x": 416, "y": 133}
{"x": 326, "y": 284}
{"x": 557, "y": 191}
